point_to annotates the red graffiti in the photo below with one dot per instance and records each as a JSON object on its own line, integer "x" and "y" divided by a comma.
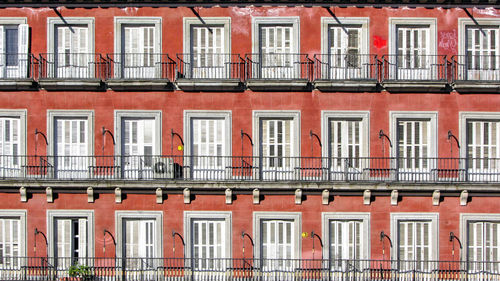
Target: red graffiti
{"x": 379, "y": 42}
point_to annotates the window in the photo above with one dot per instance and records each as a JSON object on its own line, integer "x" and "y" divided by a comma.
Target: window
{"x": 14, "y": 59}
{"x": 413, "y": 49}
{"x": 276, "y": 43}
{"x": 347, "y": 237}
{"x": 481, "y": 236}
{"x": 71, "y": 236}
{"x": 344, "y": 52}
{"x": 12, "y": 237}
{"x": 277, "y": 239}
{"x": 415, "y": 137}
{"x": 70, "y": 48}
{"x": 209, "y": 240}
{"x": 480, "y": 49}
{"x": 137, "y": 48}
{"x": 416, "y": 237}
{"x": 207, "y": 47}
{"x": 71, "y": 133}
{"x": 278, "y": 149}
{"x": 139, "y": 239}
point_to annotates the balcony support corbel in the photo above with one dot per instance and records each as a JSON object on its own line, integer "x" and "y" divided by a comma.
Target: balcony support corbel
{"x": 298, "y": 196}
{"x": 256, "y": 196}
{"x": 187, "y": 195}
{"x": 367, "y": 197}
{"x": 118, "y": 195}
{"x": 229, "y": 196}
{"x": 24, "y": 194}
{"x": 325, "y": 197}
{"x": 464, "y": 197}
{"x": 436, "y": 197}
{"x": 90, "y": 195}
{"x": 50, "y": 195}
{"x": 394, "y": 197}
{"x": 159, "y": 195}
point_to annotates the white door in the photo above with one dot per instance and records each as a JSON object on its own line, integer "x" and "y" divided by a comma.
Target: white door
{"x": 414, "y": 60}
{"x": 414, "y": 138}
{"x": 208, "y": 58}
{"x": 483, "y": 246}
{"x": 73, "y": 58}
{"x": 345, "y": 148}
{"x": 139, "y": 245}
{"x": 208, "y": 248}
{"x": 71, "y": 151}
{"x": 10, "y": 232}
{"x": 70, "y": 241}
{"x": 346, "y": 244}
{"x": 14, "y": 58}
{"x": 141, "y": 59}
{"x": 277, "y": 60}
{"x": 345, "y": 59}
{"x": 277, "y": 146}
{"x": 414, "y": 244}
{"x": 278, "y": 246}
{"x": 138, "y": 147}
{"x": 483, "y": 150}
{"x": 10, "y": 144}
{"x": 208, "y": 148}
{"x": 483, "y": 53}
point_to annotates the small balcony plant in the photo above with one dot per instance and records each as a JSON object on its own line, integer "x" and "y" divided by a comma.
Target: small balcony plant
{"x": 79, "y": 272}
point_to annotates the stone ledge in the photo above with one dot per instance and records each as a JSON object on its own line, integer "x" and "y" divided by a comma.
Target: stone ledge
{"x": 140, "y": 84}
{"x": 17, "y": 84}
{"x": 416, "y": 86}
{"x": 346, "y": 85}
{"x": 209, "y": 85}
{"x": 71, "y": 84}
{"x": 278, "y": 85}
{"x": 470, "y": 87}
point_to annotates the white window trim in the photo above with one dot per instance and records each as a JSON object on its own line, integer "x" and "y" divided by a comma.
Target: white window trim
{"x": 189, "y": 216}
{"x": 326, "y": 217}
{"x": 296, "y": 217}
{"x": 257, "y": 21}
{"x": 287, "y": 114}
{"x": 326, "y": 115}
{"x": 433, "y": 217}
{"x": 145, "y": 114}
{"x": 21, "y": 114}
{"x": 365, "y": 31}
{"x": 224, "y": 21}
{"x": 52, "y": 215}
{"x": 464, "y": 219}
{"x": 53, "y": 114}
{"x": 52, "y": 22}
{"x": 157, "y": 216}
{"x": 431, "y": 22}
{"x": 431, "y": 115}
{"x": 156, "y": 21}
{"x": 219, "y": 114}
{"x": 13, "y": 20}
{"x": 470, "y": 115}
{"x": 464, "y": 22}
{"x": 22, "y": 215}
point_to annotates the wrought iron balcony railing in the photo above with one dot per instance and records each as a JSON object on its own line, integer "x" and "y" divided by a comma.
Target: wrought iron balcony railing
{"x": 211, "y": 66}
{"x": 249, "y": 168}
{"x": 345, "y": 67}
{"x": 412, "y": 67}
{"x": 279, "y": 66}
{"x": 17, "y": 66}
{"x": 476, "y": 67}
{"x": 145, "y": 66}
{"x": 217, "y": 269}
{"x": 72, "y": 66}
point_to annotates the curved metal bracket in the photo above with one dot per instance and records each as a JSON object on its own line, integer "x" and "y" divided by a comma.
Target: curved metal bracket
{"x": 383, "y": 235}
{"x": 112, "y": 237}
{"x": 452, "y": 136}
{"x": 453, "y": 236}
{"x": 311, "y": 134}
{"x": 248, "y": 136}
{"x": 104, "y": 131}
{"x": 243, "y": 234}
{"x": 381, "y": 134}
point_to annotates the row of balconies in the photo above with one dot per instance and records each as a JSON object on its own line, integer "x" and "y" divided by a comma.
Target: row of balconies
{"x": 252, "y": 168}
{"x": 232, "y": 72}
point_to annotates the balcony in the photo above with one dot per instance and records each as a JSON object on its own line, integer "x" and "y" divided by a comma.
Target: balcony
{"x": 72, "y": 71}
{"x": 415, "y": 73}
{"x": 346, "y": 72}
{"x": 279, "y": 72}
{"x": 476, "y": 73}
{"x": 140, "y": 72}
{"x": 210, "y": 72}
{"x": 218, "y": 269}
{"x": 18, "y": 71}
{"x": 248, "y": 168}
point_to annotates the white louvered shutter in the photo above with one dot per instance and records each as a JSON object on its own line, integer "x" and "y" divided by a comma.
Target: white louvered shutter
{"x": 208, "y": 58}
{"x": 276, "y": 49}
{"x": 277, "y": 242}
{"x": 82, "y": 239}
{"x": 23, "y": 38}
{"x": 140, "y": 238}
{"x": 10, "y": 231}
{"x": 483, "y": 53}
{"x": 73, "y": 58}
{"x": 10, "y": 129}
{"x": 2, "y": 52}
{"x": 412, "y": 46}
{"x": 483, "y": 144}
{"x": 413, "y": 144}
{"x": 483, "y": 245}
{"x": 345, "y": 44}
{"x": 140, "y": 59}
{"x": 415, "y": 242}
{"x": 277, "y": 142}
{"x": 346, "y": 240}
{"x": 64, "y": 238}
{"x": 208, "y": 140}
{"x": 345, "y": 142}
{"x": 208, "y": 243}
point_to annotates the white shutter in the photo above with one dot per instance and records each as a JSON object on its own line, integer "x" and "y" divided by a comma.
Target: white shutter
{"x": 82, "y": 238}
{"x": 139, "y": 238}
{"x": 63, "y": 242}
{"x": 139, "y": 137}
{"x": 208, "y": 140}
{"x": 23, "y": 35}
{"x": 2, "y": 52}
{"x": 413, "y": 144}
{"x": 9, "y": 239}
{"x": 208, "y": 243}
{"x": 415, "y": 241}
{"x": 345, "y": 240}
{"x": 277, "y": 142}
{"x": 277, "y": 240}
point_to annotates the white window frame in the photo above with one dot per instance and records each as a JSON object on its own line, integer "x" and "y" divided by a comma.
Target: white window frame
{"x": 364, "y": 116}
{"x": 22, "y": 215}
{"x": 53, "y": 215}
{"x": 52, "y": 115}
{"x": 462, "y": 29}
{"x": 156, "y": 216}
{"x": 295, "y": 217}
{"x": 326, "y": 22}
{"x": 364, "y": 217}
{"x": 138, "y": 114}
{"x": 293, "y": 21}
{"x": 432, "y": 116}
{"x": 119, "y": 21}
{"x": 189, "y": 216}
{"x": 14, "y": 21}
{"x": 52, "y": 22}
{"x": 207, "y": 21}
{"x": 432, "y": 217}
{"x": 20, "y": 114}
{"x": 465, "y": 218}
{"x": 465, "y": 116}
{"x": 395, "y": 21}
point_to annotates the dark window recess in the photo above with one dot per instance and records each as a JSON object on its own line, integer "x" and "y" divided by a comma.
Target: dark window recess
{"x": 11, "y": 45}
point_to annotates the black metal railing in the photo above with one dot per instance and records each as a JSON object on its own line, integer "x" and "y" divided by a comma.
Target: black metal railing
{"x": 345, "y": 67}
{"x": 146, "y": 66}
{"x": 279, "y": 66}
{"x": 16, "y": 66}
{"x": 476, "y": 67}
{"x": 210, "y": 66}
{"x": 411, "y": 67}
{"x": 249, "y": 168}
{"x": 72, "y": 66}
{"x": 219, "y": 269}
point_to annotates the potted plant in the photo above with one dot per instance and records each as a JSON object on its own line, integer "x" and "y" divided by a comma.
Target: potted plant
{"x": 79, "y": 272}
